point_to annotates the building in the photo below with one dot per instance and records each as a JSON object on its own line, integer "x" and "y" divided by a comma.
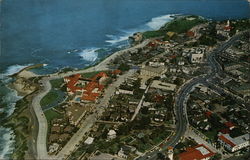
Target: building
{"x": 170, "y": 153}
{"x": 156, "y": 64}
{"x": 125, "y": 151}
{"x": 196, "y": 57}
{"x": 91, "y": 90}
{"x": 162, "y": 85}
{"x": 124, "y": 91}
{"x": 72, "y": 82}
{"x": 233, "y": 144}
{"x": 111, "y": 134}
{"x": 89, "y": 140}
{"x": 53, "y": 148}
{"x": 153, "y": 71}
{"x": 200, "y": 152}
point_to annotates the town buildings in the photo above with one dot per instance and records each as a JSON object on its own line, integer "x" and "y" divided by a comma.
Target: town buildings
{"x": 199, "y": 152}
{"x": 233, "y": 144}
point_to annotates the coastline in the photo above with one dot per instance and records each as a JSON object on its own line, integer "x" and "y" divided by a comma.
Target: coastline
{"x": 22, "y": 122}
{"x": 26, "y": 85}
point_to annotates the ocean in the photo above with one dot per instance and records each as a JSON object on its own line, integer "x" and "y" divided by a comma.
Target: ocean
{"x": 63, "y": 33}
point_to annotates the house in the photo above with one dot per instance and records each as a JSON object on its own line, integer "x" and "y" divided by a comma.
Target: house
{"x": 233, "y": 144}
{"x": 170, "y": 34}
{"x": 53, "y": 138}
{"x": 55, "y": 129}
{"x": 53, "y": 148}
{"x": 190, "y": 34}
{"x": 89, "y": 140}
{"x": 125, "y": 150}
{"x": 156, "y": 64}
{"x": 72, "y": 82}
{"x": 111, "y": 134}
{"x": 162, "y": 85}
{"x": 199, "y": 152}
{"x": 229, "y": 125}
{"x": 64, "y": 137}
{"x": 226, "y": 80}
{"x": 92, "y": 89}
{"x": 123, "y": 91}
{"x": 196, "y": 57}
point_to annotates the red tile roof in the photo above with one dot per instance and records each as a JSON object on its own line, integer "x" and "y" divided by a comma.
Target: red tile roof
{"x": 72, "y": 81}
{"x": 190, "y": 33}
{"x": 223, "y": 138}
{"x": 227, "y": 28}
{"x": 195, "y": 154}
{"x": 225, "y": 131}
{"x": 88, "y": 89}
{"x": 88, "y": 94}
{"x": 117, "y": 71}
{"x": 229, "y": 124}
{"x": 152, "y": 44}
{"x": 208, "y": 114}
{"x": 99, "y": 75}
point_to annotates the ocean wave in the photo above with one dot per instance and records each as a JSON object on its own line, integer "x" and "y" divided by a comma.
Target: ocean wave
{"x": 6, "y": 142}
{"x": 13, "y": 69}
{"x": 9, "y": 99}
{"x": 154, "y": 24}
{"x": 89, "y": 54}
{"x": 158, "y": 22}
{"x": 116, "y": 39}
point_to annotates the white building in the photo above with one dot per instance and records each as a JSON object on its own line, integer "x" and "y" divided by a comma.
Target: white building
{"x": 89, "y": 140}
{"x": 156, "y": 64}
{"x": 196, "y": 58}
{"x": 162, "y": 85}
{"x": 233, "y": 144}
{"x": 111, "y": 134}
{"x": 123, "y": 91}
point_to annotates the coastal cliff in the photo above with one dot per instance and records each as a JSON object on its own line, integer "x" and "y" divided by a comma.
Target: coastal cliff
{"x": 22, "y": 121}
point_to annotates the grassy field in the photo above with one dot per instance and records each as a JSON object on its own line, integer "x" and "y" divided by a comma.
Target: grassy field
{"x": 151, "y": 34}
{"x": 56, "y": 83}
{"x": 182, "y": 25}
{"x": 179, "y": 25}
{"x": 49, "y": 98}
{"x": 51, "y": 114}
{"x": 90, "y": 74}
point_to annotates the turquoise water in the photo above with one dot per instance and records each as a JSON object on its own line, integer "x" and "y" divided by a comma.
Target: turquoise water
{"x": 78, "y": 33}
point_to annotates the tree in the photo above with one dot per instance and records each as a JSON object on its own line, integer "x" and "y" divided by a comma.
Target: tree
{"x": 124, "y": 67}
{"x": 178, "y": 81}
{"x": 144, "y": 110}
{"x": 217, "y": 156}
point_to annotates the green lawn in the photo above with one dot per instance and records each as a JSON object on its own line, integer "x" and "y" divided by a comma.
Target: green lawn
{"x": 90, "y": 74}
{"x": 51, "y": 114}
{"x": 179, "y": 25}
{"x": 151, "y": 34}
{"x": 211, "y": 134}
{"x": 182, "y": 25}
{"x": 56, "y": 83}
{"x": 49, "y": 98}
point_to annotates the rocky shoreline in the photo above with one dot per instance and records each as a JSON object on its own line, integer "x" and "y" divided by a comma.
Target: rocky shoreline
{"x": 23, "y": 121}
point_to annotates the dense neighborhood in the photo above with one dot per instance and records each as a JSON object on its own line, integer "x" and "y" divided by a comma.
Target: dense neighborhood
{"x": 180, "y": 92}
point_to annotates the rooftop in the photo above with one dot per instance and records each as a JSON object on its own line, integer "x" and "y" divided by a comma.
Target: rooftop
{"x": 234, "y": 141}
{"x": 196, "y": 153}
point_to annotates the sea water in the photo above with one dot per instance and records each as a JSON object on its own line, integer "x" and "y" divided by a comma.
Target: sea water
{"x": 63, "y": 33}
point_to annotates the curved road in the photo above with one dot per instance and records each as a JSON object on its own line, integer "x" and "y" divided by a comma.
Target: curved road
{"x": 41, "y": 145}
{"x": 180, "y": 104}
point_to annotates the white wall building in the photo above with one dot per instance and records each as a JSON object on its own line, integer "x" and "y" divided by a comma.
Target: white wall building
{"x": 196, "y": 58}
{"x": 233, "y": 144}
